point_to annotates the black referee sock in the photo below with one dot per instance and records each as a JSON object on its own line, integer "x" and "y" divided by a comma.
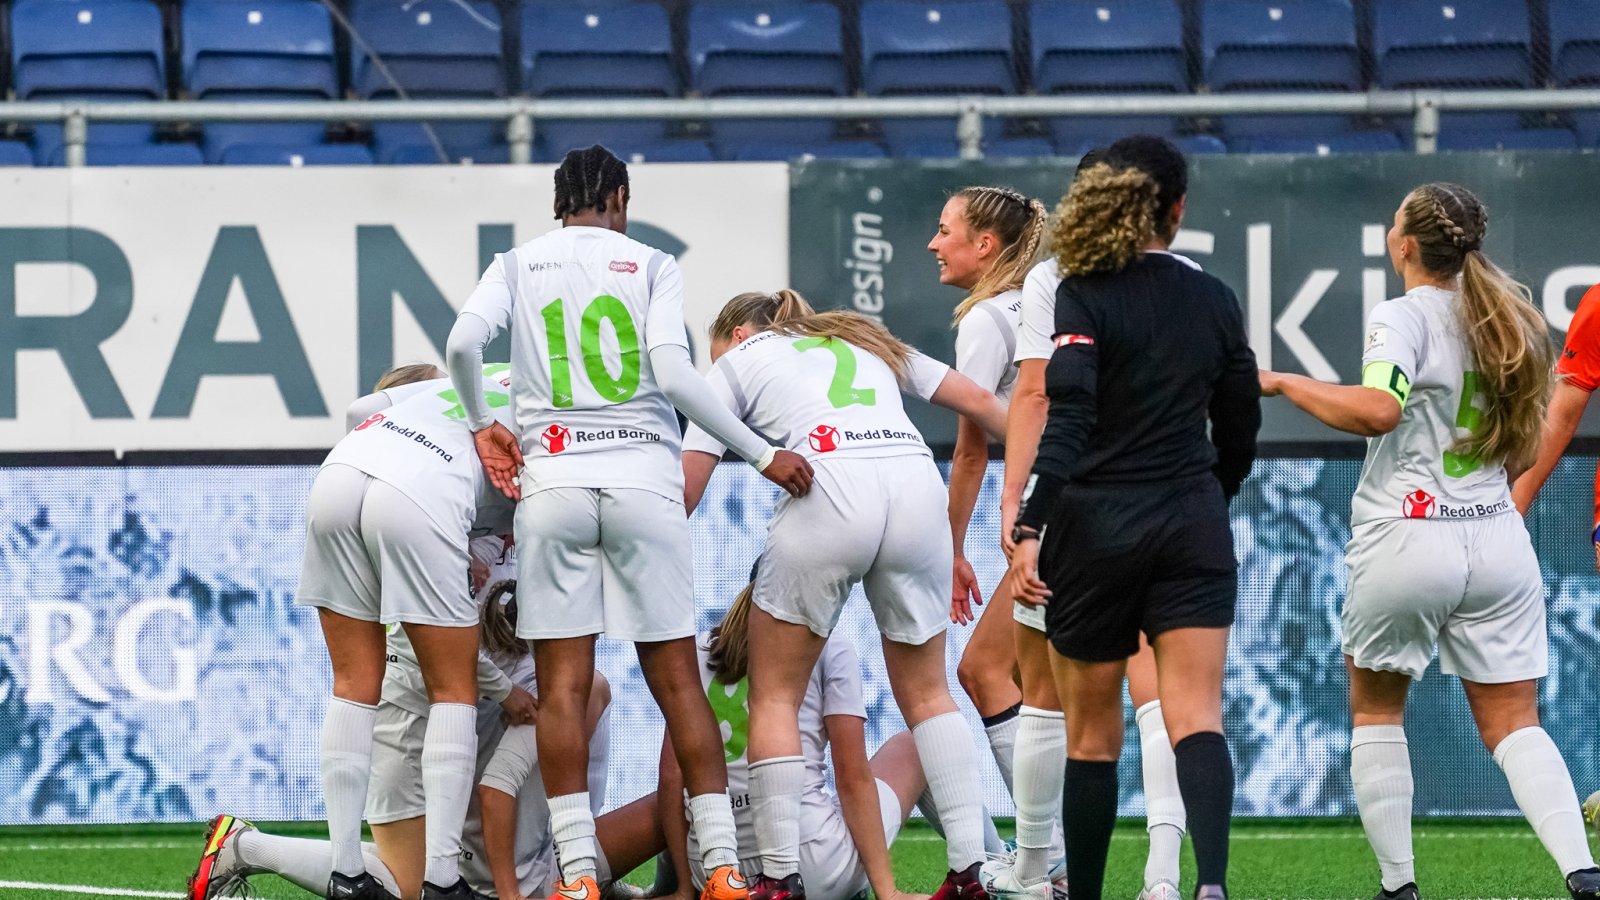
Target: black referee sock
{"x": 1205, "y": 779}
{"x": 1088, "y": 813}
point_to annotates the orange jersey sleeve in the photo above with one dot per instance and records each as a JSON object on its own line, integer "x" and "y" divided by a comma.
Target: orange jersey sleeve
{"x": 1580, "y": 358}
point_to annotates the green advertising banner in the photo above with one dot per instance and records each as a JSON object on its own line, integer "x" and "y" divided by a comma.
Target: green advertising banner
{"x": 1299, "y": 239}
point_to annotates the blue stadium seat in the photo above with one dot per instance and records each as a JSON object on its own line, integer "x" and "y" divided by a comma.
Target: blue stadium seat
{"x": 1018, "y": 148}
{"x": 87, "y": 49}
{"x": 1191, "y": 145}
{"x": 15, "y": 153}
{"x": 1575, "y": 42}
{"x": 929, "y": 138}
{"x": 589, "y": 50}
{"x": 134, "y": 155}
{"x": 1349, "y": 142}
{"x": 1094, "y": 46}
{"x": 668, "y": 151}
{"x": 759, "y": 152}
{"x": 274, "y": 48}
{"x": 931, "y": 47}
{"x": 1453, "y": 43}
{"x": 301, "y": 155}
{"x": 1513, "y": 139}
{"x": 434, "y": 48}
{"x": 1307, "y": 45}
{"x": 409, "y": 139}
{"x": 219, "y": 137}
{"x": 782, "y": 47}
{"x": 47, "y": 137}
{"x": 424, "y": 155}
{"x": 556, "y": 136}
{"x": 1072, "y": 132}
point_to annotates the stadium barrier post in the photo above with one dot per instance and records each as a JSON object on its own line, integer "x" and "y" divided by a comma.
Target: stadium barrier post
{"x": 1425, "y": 126}
{"x": 969, "y": 129}
{"x": 75, "y": 137}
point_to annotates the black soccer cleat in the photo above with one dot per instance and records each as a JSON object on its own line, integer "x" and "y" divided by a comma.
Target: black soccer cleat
{"x": 787, "y": 888}
{"x": 458, "y": 891}
{"x": 962, "y": 885}
{"x": 1584, "y": 884}
{"x": 357, "y": 887}
{"x": 1407, "y": 891}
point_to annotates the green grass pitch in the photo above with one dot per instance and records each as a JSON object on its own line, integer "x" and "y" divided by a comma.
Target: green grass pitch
{"x": 1456, "y": 858}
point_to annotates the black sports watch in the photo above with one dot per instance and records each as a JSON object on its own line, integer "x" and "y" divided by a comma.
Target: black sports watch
{"x": 1020, "y": 533}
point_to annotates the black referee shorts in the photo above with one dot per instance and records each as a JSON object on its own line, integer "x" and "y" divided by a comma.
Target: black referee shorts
{"x": 1125, "y": 558}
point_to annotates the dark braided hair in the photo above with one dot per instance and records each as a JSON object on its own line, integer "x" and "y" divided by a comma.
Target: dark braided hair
{"x": 586, "y": 178}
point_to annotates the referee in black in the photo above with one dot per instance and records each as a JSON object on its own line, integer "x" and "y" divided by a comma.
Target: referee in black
{"x": 1127, "y": 518}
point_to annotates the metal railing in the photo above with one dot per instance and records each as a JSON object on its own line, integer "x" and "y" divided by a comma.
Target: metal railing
{"x": 967, "y": 113}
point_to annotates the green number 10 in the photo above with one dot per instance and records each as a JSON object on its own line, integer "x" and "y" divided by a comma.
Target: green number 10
{"x": 602, "y": 308}
{"x": 1469, "y": 417}
{"x": 842, "y": 391}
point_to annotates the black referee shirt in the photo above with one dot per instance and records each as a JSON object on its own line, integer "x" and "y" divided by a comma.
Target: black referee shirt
{"x": 1144, "y": 359}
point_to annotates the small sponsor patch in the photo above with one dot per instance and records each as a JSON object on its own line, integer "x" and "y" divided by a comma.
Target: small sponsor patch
{"x": 618, "y": 265}
{"x": 824, "y": 438}
{"x": 1377, "y": 338}
{"x": 1063, "y": 340}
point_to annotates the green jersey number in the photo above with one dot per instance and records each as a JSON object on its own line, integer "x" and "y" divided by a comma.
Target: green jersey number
{"x": 614, "y": 388}
{"x": 495, "y": 399}
{"x": 730, "y": 706}
{"x": 1468, "y": 417}
{"x": 842, "y": 391}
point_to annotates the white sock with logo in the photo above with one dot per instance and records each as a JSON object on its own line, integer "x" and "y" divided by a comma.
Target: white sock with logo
{"x": 949, "y": 758}
{"x": 1165, "y": 818}
{"x": 346, "y": 765}
{"x": 304, "y": 863}
{"x": 449, "y": 752}
{"x": 1380, "y": 770}
{"x": 572, "y": 826}
{"x": 712, "y": 815}
{"x": 1041, "y": 757}
{"x": 775, "y": 788}
{"x": 1543, "y": 788}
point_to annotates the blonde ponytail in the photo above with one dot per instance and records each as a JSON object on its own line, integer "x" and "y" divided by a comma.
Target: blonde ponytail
{"x": 407, "y": 374}
{"x": 1019, "y": 223}
{"x": 786, "y": 312}
{"x": 1106, "y": 220}
{"x": 728, "y": 653}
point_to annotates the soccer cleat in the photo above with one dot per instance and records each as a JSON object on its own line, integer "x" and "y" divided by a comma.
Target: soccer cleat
{"x": 998, "y": 878}
{"x": 1584, "y": 884}
{"x": 788, "y": 888}
{"x": 1407, "y": 891}
{"x": 220, "y": 872}
{"x": 582, "y": 889}
{"x": 458, "y": 891}
{"x": 1210, "y": 892}
{"x": 725, "y": 883}
{"x": 621, "y": 890}
{"x": 1161, "y": 890}
{"x": 1058, "y": 881}
{"x": 963, "y": 885}
{"x": 357, "y": 887}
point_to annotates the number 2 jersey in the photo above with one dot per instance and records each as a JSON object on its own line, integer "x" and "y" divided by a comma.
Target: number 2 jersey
{"x": 585, "y": 305}
{"x": 822, "y": 398}
{"x": 1416, "y": 351}
{"x": 422, "y": 447}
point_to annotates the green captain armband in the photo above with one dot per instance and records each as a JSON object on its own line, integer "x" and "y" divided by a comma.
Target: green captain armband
{"x": 1387, "y": 377}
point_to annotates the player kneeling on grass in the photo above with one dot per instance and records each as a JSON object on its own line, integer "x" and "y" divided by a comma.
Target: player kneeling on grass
{"x": 827, "y": 386}
{"x": 508, "y": 851}
{"x": 846, "y": 838}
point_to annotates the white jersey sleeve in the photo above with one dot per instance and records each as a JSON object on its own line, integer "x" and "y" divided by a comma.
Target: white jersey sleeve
{"x": 1036, "y": 332}
{"x": 984, "y": 350}
{"x": 842, "y": 693}
{"x": 663, "y": 320}
{"x": 924, "y": 374}
{"x": 696, "y": 438}
{"x": 1396, "y": 334}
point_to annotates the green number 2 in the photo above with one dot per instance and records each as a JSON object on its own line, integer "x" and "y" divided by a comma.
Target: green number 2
{"x": 1469, "y": 417}
{"x": 728, "y": 704}
{"x": 842, "y": 391}
{"x": 602, "y": 308}
{"x": 495, "y": 399}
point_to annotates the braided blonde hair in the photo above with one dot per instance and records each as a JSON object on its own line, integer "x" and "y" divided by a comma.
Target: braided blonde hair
{"x": 1509, "y": 340}
{"x": 787, "y": 312}
{"x": 1019, "y": 222}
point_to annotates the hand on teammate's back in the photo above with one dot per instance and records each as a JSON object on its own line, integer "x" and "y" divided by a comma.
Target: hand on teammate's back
{"x": 964, "y": 594}
{"x": 501, "y": 458}
{"x": 790, "y": 471}
{"x": 1026, "y": 586}
{"x": 521, "y": 707}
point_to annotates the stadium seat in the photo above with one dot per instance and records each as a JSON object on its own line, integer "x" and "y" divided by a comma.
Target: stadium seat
{"x": 276, "y": 49}
{"x": 556, "y": 136}
{"x": 47, "y": 137}
{"x": 1349, "y": 142}
{"x": 134, "y": 155}
{"x": 302, "y": 155}
{"x": 782, "y": 47}
{"x": 424, "y": 155}
{"x": 219, "y": 137}
{"x": 932, "y": 138}
{"x": 668, "y": 151}
{"x": 433, "y": 48}
{"x": 930, "y": 47}
{"x": 1575, "y": 42}
{"x": 592, "y": 50}
{"x": 410, "y": 140}
{"x": 87, "y": 49}
{"x": 757, "y": 152}
{"x": 1307, "y": 45}
{"x": 1453, "y": 44}
{"x": 1191, "y": 145}
{"x": 1095, "y": 46}
{"x": 1071, "y": 132}
{"x": 728, "y": 135}
{"x": 15, "y": 153}
{"x": 1018, "y": 148}
{"x": 1513, "y": 139}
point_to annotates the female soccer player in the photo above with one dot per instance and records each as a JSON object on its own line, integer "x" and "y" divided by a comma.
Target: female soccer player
{"x": 1130, "y": 495}
{"x": 1455, "y": 379}
{"x": 846, "y": 837}
{"x": 603, "y": 544}
{"x": 388, "y": 521}
{"x": 1579, "y": 368}
{"x": 829, "y": 384}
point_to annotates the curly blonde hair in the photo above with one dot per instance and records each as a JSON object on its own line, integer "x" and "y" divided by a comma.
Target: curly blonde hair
{"x": 1105, "y": 220}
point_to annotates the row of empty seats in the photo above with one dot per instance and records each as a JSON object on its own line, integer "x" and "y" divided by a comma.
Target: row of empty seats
{"x": 285, "y": 50}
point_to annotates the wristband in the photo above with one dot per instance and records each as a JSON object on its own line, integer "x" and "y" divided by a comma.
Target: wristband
{"x": 766, "y": 459}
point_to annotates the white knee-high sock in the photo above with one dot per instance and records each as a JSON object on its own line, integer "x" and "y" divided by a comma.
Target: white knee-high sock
{"x": 775, "y": 788}
{"x": 1380, "y": 769}
{"x": 304, "y": 863}
{"x": 1041, "y": 757}
{"x": 949, "y": 760}
{"x": 1001, "y": 730}
{"x": 346, "y": 765}
{"x": 992, "y": 845}
{"x": 712, "y": 815}
{"x": 572, "y": 826}
{"x": 1543, "y": 789}
{"x": 599, "y": 762}
{"x": 449, "y": 750}
{"x": 1164, "y": 815}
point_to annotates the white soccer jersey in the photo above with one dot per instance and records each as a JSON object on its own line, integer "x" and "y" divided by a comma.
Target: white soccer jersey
{"x": 423, "y": 448}
{"x": 585, "y": 305}
{"x": 834, "y": 690}
{"x": 986, "y": 343}
{"x": 1036, "y": 326}
{"x": 1415, "y": 471}
{"x": 820, "y": 398}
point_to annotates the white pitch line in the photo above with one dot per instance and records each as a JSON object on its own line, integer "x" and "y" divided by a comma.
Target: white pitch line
{"x": 1301, "y": 836}
{"x": 88, "y": 889}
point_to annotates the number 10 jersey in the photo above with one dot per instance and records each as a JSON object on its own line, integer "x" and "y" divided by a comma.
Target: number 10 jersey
{"x": 585, "y": 305}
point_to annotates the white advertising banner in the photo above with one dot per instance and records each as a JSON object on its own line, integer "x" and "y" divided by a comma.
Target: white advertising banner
{"x": 215, "y": 309}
